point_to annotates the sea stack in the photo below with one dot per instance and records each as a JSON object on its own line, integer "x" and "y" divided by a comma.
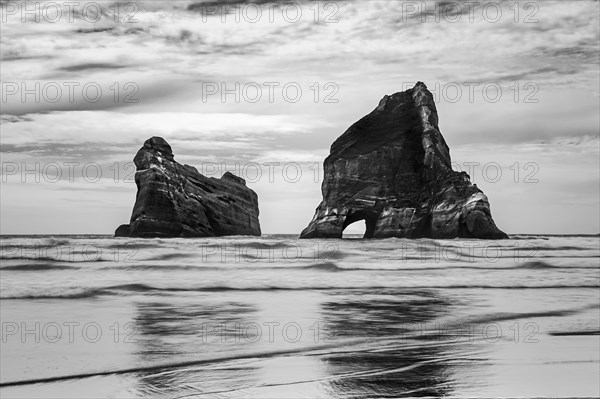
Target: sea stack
{"x": 392, "y": 169}
{"x": 175, "y": 200}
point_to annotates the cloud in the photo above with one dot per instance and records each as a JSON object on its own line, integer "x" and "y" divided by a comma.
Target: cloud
{"x": 91, "y": 66}
{"x": 105, "y": 135}
{"x": 367, "y": 32}
{"x": 5, "y": 118}
{"x": 94, "y": 30}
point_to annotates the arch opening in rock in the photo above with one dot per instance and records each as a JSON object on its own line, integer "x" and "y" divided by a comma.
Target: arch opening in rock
{"x": 354, "y": 218}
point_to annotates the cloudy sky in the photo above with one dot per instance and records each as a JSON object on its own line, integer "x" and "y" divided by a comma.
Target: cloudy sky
{"x": 263, "y": 89}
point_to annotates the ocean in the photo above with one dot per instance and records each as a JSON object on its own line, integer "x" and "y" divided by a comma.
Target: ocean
{"x": 278, "y": 317}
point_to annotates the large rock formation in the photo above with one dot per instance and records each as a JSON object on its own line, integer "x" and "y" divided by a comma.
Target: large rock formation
{"x": 175, "y": 200}
{"x": 392, "y": 169}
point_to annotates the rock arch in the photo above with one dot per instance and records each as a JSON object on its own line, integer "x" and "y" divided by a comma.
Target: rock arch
{"x": 393, "y": 169}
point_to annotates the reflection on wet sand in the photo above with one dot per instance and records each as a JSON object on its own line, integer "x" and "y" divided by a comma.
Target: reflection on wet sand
{"x": 368, "y": 348}
{"x": 188, "y": 331}
{"x": 393, "y": 362}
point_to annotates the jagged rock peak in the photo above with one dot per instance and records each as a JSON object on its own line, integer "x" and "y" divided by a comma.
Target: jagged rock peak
{"x": 160, "y": 145}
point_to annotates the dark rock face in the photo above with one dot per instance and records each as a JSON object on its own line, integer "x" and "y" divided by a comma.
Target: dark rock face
{"x": 175, "y": 200}
{"x": 392, "y": 168}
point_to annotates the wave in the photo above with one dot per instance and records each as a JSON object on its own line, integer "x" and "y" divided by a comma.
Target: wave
{"x": 333, "y": 267}
{"x": 251, "y": 244}
{"x": 333, "y": 255}
{"x": 554, "y": 235}
{"x": 538, "y": 265}
{"x": 560, "y": 248}
{"x": 38, "y": 267}
{"x": 45, "y": 242}
{"x": 135, "y": 245}
{"x": 124, "y": 289}
{"x": 142, "y": 267}
{"x": 171, "y": 256}
{"x": 51, "y": 259}
{"x": 574, "y": 333}
{"x": 326, "y": 266}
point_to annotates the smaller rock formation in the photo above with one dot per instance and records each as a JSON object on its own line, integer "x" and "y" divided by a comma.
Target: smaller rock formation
{"x": 175, "y": 200}
{"x": 392, "y": 169}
